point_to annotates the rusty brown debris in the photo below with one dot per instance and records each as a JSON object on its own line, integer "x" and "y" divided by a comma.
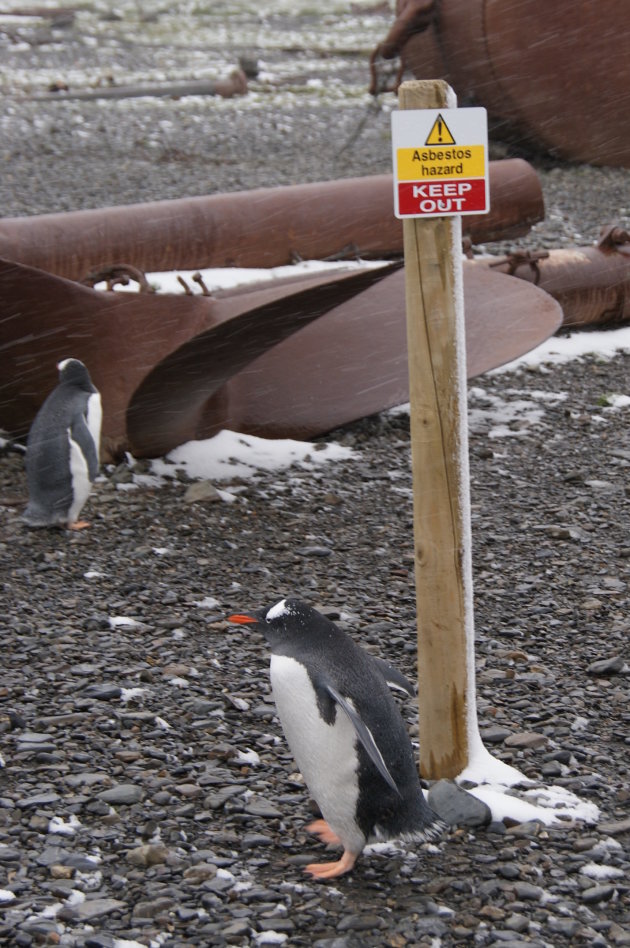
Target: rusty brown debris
{"x": 311, "y": 222}
{"x": 553, "y": 76}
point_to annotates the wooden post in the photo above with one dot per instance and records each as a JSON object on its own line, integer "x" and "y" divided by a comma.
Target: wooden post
{"x": 439, "y": 448}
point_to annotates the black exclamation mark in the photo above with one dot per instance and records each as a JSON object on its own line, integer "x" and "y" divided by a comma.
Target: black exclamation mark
{"x": 439, "y": 124}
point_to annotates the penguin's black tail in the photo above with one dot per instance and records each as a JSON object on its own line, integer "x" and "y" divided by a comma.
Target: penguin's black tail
{"x": 420, "y": 823}
{"x": 434, "y": 830}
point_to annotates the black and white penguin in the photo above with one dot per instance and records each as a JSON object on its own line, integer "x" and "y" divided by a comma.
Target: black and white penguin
{"x": 62, "y": 450}
{"x": 345, "y": 731}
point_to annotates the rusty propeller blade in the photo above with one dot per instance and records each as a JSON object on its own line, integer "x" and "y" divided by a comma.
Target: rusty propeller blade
{"x": 166, "y": 407}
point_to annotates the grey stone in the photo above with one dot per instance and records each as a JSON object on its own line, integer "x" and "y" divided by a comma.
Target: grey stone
{"x": 122, "y": 794}
{"x": 598, "y": 893}
{"x": 202, "y": 491}
{"x": 456, "y": 806}
{"x": 258, "y": 806}
{"x": 606, "y": 666}
{"x": 37, "y": 800}
{"x": 615, "y": 827}
{"x": 528, "y": 892}
{"x": 526, "y": 739}
{"x": 90, "y": 909}
{"x": 148, "y": 855}
{"x": 105, "y": 691}
{"x": 517, "y": 923}
{"x": 151, "y": 909}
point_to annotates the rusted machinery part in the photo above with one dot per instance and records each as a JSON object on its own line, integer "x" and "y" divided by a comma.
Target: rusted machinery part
{"x": 353, "y": 361}
{"x": 119, "y": 336}
{"x": 591, "y": 284}
{"x": 227, "y": 88}
{"x": 118, "y": 274}
{"x": 412, "y": 16}
{"x": 156, "y": 354}
{"x": 266, "y": 227}
{"x": 166, "y": 408}
{"x": 611, "y": 237}
{"x": 542, "y": 70}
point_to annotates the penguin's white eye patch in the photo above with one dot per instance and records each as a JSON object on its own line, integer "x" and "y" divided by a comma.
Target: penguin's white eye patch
{"x": 280, "y": 609}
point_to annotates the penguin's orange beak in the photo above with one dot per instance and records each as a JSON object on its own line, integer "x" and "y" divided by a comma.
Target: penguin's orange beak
{"x": 242, "y": 619}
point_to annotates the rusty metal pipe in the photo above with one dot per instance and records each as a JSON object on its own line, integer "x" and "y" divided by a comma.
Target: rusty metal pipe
{"x": 265, "y": 227}
{"x": 591, "y": 284}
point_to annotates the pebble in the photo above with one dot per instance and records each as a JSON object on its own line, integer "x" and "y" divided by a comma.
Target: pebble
{"x": 201, "y": 491}
{"x": 606, "y": 666}
{"x": 526, "y": 739}
{"x": 123, "y": 794}
{"x": 456, "y": 806}
{"x": 598, "y": 893}
{"x": 148, "y": 855}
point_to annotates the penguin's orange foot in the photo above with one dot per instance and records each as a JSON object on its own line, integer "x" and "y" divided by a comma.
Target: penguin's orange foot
{"x": 330, "y": 870}
{"x": 321, "y": 829}
{"x": 79, "y": 525}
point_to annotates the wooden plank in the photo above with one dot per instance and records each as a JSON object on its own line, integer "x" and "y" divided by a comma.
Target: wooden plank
{"x": 437, "y": 391}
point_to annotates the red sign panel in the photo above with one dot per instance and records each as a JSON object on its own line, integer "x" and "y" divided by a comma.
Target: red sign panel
{"x": 461, "y": 196}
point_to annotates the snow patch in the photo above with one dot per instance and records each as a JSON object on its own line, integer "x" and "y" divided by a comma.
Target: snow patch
{"x": 231, "y": 454}
{"x": 594, "y": 870}
{"x": 58, "y": 825}
{"x": 119, "y": 622}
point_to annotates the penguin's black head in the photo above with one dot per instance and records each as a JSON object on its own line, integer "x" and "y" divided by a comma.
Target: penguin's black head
{"x": 288, "y": 618}
{"x": 73, "y": 372}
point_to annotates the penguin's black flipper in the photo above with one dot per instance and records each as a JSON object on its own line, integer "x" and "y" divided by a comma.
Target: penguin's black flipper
{"x": 393, "y": 677}
{"x": 364, "y": 734}
{"x": 80, "y": 433}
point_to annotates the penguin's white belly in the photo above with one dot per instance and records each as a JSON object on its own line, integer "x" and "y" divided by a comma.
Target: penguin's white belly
{"x": 80, "y": 479}
{"x": 326, "y": 754}
{"x": 94, "y": 420}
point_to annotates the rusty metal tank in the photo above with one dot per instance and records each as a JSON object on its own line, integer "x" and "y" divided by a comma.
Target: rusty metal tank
{"x": 554, "y": 76}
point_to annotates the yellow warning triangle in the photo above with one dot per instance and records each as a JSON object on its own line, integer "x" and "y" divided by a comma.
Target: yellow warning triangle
{"x": 440, "y": 133}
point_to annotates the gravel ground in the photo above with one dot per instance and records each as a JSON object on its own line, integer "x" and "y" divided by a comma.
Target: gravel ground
{"x": 148, "y": 796}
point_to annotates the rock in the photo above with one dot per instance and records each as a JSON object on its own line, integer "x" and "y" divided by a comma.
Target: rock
{"x": 598, "y": 893}
{"x": 526, "y": 739}
{"x": 103, "y": 692}
{"x": 202, "y": 491}
{"x": 153, "y": 909}
{"x": 494, "y": 735}
{"x": 239, "y": 928}
{"x": 508, "y": 870}
{"x": 200, "y": 873}
{"x": 606, "y": 666}
{"x": 258, "y": 806}
{"x": 456, "y": 806}
{"x": 360, "y": 923}
{"x": 38, "y": 800}
{"x": 528, "y": 892}
{"x": 567, "y": 927}
{"x": 615, "y": 827}
{"x": 123, "y": 794}
{"x": 517, "y": 923}
{"x": 90, "y": 909}
{"x": 148, "y": 855}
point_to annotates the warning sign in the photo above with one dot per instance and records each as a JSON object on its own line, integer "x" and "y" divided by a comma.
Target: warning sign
{"x": 440, "y": 162}
{"x": 440, "y": 134}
